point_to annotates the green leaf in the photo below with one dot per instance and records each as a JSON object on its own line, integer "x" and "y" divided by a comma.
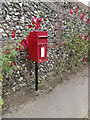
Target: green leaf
{"x": 9, "y": 70}
{"x": 16, "y": 40}
{"x": 0, "y": 83}
{"x": 1, "y": 102}
{"x": 38, "y": 80}
{"x": 14, "y": 52}
{"x": 3, "y": 56}
{"x": 1, "y": 62}
{"x": 11, "y": 51}
{"x": 15, "y": 59}
{"x": 22, "y": 47}
{"x": 17, "y": 46}
{"x": 1, "y": 77}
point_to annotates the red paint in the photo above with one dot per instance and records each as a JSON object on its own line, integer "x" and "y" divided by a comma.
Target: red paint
{"x": 37, "y": 40}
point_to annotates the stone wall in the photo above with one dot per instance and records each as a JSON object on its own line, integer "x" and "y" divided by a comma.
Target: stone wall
{"x": 56, "y": 17}
{"x": 66, "y": 17}
{"x": 19, "y": 15}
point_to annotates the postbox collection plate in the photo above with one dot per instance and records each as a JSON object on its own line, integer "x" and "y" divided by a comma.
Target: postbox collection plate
{"x": 42, "y": 52}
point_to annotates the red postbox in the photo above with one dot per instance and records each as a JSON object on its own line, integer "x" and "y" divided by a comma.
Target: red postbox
{"x": 37, "y": 46}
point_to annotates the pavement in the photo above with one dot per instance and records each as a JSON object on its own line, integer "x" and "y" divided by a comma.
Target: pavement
{"x": 69, "y": 100}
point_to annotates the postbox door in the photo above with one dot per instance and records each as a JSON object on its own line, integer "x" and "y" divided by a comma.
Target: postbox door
{"x": 42, "y": 53}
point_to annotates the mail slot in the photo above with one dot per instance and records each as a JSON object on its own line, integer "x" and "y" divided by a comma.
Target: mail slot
{"x": 37, "y": 46}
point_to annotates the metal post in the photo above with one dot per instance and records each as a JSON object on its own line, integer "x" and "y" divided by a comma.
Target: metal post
{"x": 36, "y": 84}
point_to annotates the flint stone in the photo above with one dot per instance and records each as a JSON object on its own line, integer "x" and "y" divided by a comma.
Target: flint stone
{"x": 20, "y": 36}
{"x": 15, "y": 19}
{"x": 17, "y": 87}
{"x": 21, "y": 78}
{"x": 10, "y": 9}
{"x": 17, "y": 6}
{"x": 20, "y": 4}
{"x": 14, "y": 88}
{"x": 18, "y": 32}
{"x": 26, "y": 4}
{"x": 17, "y": 13}
{"x": 25, "y": 69}
{"x": 8, "y": 18}
{"x": 21, "y": 28}
{"x": 8, "y": 3}
{"x": 23, "y": 65}
{"x": 7, "y": 31}
{"x": 22, "y": 19}
{"x": 5, "y": 35}
{"x": 24, "y": 84}
{"x": 26, "y": 21}
{"x": 17, "y": 72}
{"x": 17, "y": 27}
{"x": 1, "y": 30}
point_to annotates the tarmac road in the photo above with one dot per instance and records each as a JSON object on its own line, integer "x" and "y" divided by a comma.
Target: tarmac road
{"x": 69, "y": 100}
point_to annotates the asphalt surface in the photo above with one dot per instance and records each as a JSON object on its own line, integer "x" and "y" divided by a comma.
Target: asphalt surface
{"x": 69, "y": 100}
